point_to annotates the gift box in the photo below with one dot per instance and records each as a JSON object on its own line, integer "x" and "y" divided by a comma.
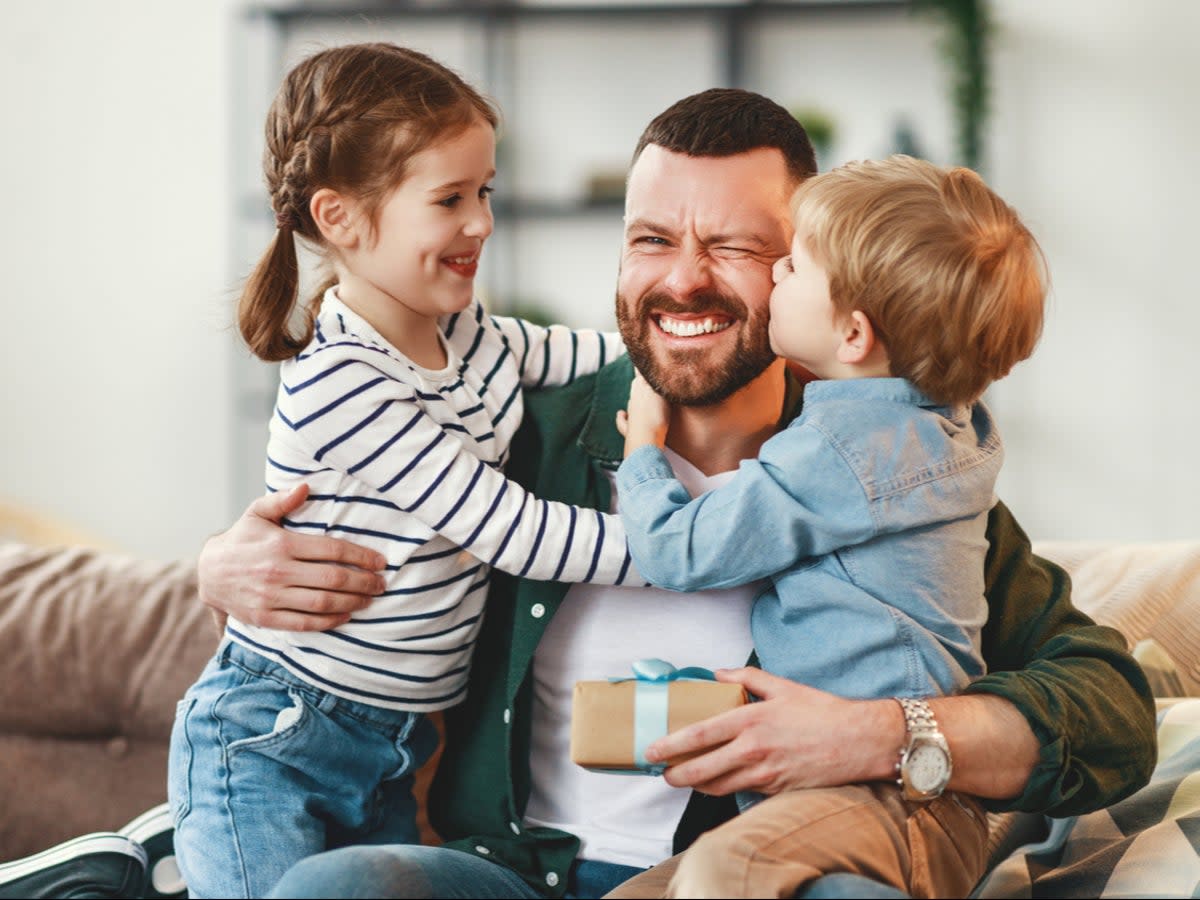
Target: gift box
{"x": 612, "y": 722}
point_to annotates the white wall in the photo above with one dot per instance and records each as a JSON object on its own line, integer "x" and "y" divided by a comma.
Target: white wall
{"x": 118, "y": 247}
{"x": 114, "y": 247}
{"x": 1094, "y": 140}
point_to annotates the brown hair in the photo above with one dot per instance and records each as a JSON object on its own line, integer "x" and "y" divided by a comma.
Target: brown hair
{"x": 951, "y": 280}
{"x": 348, "y": 118}
{"x": 728, "y": 121}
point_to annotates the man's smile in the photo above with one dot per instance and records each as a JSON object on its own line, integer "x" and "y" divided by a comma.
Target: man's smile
{"x": 691, "y": 326}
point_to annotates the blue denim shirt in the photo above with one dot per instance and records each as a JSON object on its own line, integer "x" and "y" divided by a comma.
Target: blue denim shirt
{"x": 867, "y": 515}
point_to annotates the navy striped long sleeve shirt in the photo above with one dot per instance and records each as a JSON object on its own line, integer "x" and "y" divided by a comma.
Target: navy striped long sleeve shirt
{"x": 408, "y": 461}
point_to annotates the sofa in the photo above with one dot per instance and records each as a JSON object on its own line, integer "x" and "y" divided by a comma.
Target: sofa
{"x": 96, "y": 648}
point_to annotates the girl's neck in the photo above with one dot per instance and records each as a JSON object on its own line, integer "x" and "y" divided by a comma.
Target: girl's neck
{"x": 413, "y": 334}
{"x": 717, "y": 438}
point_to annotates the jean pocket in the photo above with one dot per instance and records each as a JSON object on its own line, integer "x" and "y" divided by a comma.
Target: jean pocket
{"x": 291, "y": 715}
{"x": 181, "y": 756}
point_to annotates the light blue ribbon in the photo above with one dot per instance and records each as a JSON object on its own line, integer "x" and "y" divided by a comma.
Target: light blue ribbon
{"x": 650, "y": 704}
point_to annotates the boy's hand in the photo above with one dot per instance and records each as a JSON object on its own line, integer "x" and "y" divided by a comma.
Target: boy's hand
{"x": 647, "y": 418}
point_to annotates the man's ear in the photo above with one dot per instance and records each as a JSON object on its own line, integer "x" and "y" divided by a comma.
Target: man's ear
{"x": 335, "y": 218}
{"x": 858, "y": 339}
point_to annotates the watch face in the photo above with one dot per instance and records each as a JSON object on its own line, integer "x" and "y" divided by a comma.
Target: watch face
{"x": 927, "y": 769}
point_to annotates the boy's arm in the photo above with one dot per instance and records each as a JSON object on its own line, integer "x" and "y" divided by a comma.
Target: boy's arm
{"x": 556, "y": 354}
{"x": 798, "y": 499}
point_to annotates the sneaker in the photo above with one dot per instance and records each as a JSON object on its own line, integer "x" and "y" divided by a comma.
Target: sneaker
{"x": 155, "y": 831}
{"x": 103, "y": 864}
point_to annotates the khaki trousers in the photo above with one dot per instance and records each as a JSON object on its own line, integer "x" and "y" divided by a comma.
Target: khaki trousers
{"x": 934, "y": 849}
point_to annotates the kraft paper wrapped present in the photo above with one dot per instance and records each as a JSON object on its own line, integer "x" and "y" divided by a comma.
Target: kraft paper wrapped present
{"x": 612, "y": 722}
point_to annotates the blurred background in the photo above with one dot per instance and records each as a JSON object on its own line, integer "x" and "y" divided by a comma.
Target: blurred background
{"x": 130, "y": 173}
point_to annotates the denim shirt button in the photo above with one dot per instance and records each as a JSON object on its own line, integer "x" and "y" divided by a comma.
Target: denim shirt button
{"x": 552, "y": 879}
{"x": 537, "y": 610}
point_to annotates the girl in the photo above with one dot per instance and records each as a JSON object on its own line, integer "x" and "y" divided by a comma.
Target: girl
{"x": 397, "y": 402}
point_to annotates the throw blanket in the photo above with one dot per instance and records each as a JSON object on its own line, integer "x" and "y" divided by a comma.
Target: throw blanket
{"x": 1145, "y": 846}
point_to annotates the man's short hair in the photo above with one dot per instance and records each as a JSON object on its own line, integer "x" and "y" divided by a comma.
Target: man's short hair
{"x": 728, "y": 121}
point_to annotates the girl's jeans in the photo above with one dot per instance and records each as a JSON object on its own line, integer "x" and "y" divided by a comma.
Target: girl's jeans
{"x": 266, "y": 770}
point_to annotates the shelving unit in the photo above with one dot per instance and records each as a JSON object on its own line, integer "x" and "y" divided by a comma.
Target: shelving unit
{"x": 576, "y": 81}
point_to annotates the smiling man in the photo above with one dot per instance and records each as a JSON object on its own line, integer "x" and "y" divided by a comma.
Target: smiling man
{"x": 707, "y": 215}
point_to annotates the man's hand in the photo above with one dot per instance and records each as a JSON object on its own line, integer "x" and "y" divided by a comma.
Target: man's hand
{"x": 794, "y": 737}
{"x": 267, "y": 576}
{"x": 647, "y": 418}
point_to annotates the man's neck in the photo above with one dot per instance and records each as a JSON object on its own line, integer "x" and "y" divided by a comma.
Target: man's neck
{"x": 717, "y": 438}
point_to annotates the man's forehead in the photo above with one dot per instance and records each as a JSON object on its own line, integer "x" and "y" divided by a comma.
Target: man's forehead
{"x": 746, "y": 191}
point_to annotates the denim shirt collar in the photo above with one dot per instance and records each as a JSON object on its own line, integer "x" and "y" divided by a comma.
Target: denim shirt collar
{"x": 894, "y": 390}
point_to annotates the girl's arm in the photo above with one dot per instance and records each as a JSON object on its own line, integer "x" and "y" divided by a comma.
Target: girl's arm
{"x": 556, "y": 354}
{"x": 353, "y": 418}
{"x": 798, "y": 499}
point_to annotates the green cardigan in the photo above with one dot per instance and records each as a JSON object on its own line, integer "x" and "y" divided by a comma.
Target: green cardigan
{"x": 1086, "y": 699}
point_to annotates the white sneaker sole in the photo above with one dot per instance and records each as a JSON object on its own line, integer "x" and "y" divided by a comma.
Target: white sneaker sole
{"x": 150, "y": 823}
{"x": 87, "y": 845}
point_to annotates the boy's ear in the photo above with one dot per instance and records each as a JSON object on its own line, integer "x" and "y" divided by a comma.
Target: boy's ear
{"x": 335, "y": 218}
{"x": 858, "y": 339}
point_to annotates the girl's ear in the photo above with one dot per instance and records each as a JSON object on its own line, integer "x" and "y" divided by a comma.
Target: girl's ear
{"x": 335, "y": 218}
{"x": 858, "y": 339}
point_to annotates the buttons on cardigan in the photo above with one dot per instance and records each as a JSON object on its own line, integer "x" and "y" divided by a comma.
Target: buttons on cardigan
{"x": 537, "y": 610}
{"x": 482, "y": 850}
{"x": 552, "y": 879}
{"x": 516, "y": 829}
{"x": 507, "y": 716}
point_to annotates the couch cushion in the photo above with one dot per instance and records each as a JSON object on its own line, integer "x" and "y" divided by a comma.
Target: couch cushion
{"x": 1144, "y": 590}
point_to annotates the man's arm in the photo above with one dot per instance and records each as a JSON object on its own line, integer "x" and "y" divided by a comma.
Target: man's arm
{"x": 801, "y": 737}
{"x": 1063, "y": 723}
{"x": 265, "y": 575}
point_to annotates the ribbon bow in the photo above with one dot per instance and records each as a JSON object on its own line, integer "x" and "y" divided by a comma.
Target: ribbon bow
{"x": 650, "y": 703}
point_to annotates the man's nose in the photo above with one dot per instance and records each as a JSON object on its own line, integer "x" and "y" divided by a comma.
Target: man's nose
{"x": 689, "y": 274}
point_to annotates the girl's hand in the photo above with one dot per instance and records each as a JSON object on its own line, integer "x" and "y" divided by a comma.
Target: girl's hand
{"x": 647, "y": 418}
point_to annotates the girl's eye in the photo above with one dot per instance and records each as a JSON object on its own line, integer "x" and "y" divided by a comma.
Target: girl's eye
{"x": 485, "y": 191}
{"x": 451, "y": 201}
{"x": 786, "y": 262}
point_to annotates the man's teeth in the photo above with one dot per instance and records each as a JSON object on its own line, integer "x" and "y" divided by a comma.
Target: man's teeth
{"x": 690, "y": 327}
{"x": 460, "y": 260}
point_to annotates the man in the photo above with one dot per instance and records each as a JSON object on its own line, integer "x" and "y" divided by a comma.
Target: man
{"x": 1062, "y": 723}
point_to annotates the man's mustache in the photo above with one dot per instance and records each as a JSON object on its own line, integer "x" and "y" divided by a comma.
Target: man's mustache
{"x": 710, "y": 301}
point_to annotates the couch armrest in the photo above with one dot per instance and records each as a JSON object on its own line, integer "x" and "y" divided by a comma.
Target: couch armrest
{"x": 95, "y": 643}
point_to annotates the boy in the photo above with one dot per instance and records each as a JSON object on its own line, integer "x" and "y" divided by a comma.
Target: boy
{"x": 909, "y": 290}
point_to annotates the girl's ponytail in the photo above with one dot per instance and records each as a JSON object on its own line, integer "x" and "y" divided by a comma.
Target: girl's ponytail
{"x": 268, "y": 300}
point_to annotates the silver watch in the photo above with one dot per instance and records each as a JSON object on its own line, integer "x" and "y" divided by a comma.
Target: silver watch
{"x": 924, "y": 767}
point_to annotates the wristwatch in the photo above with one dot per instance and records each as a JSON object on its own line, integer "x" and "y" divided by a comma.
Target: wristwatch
{"x": 924, "y": 767}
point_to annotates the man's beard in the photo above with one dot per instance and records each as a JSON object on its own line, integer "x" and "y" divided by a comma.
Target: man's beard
{"x": 695, "y": 377}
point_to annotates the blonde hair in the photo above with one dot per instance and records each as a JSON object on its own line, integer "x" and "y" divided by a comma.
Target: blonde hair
{"x": 349, "y": 118}
{"x": 951, "y": 280}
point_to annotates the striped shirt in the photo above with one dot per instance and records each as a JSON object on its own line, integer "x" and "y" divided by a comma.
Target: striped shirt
{"x": 408, "y": 461}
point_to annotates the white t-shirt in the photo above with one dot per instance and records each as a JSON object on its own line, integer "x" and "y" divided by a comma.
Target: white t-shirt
{"x": 597, "y": 633}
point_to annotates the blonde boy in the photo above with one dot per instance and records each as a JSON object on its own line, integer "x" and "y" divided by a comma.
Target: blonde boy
{"x": 909, "y": 289}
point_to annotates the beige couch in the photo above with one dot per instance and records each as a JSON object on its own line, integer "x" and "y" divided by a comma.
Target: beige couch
{"x": 96, "y": 648}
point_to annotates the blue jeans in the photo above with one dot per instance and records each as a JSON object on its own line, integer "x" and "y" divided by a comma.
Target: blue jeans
{"x": 266, "y": 770}
{"x": 438, "y": 872}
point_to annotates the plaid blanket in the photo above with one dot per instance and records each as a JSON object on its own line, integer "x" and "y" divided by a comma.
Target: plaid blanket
{"x": 1145, "y": 846}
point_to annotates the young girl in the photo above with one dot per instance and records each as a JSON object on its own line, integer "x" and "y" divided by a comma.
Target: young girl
{"x": 397, "y": 402}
